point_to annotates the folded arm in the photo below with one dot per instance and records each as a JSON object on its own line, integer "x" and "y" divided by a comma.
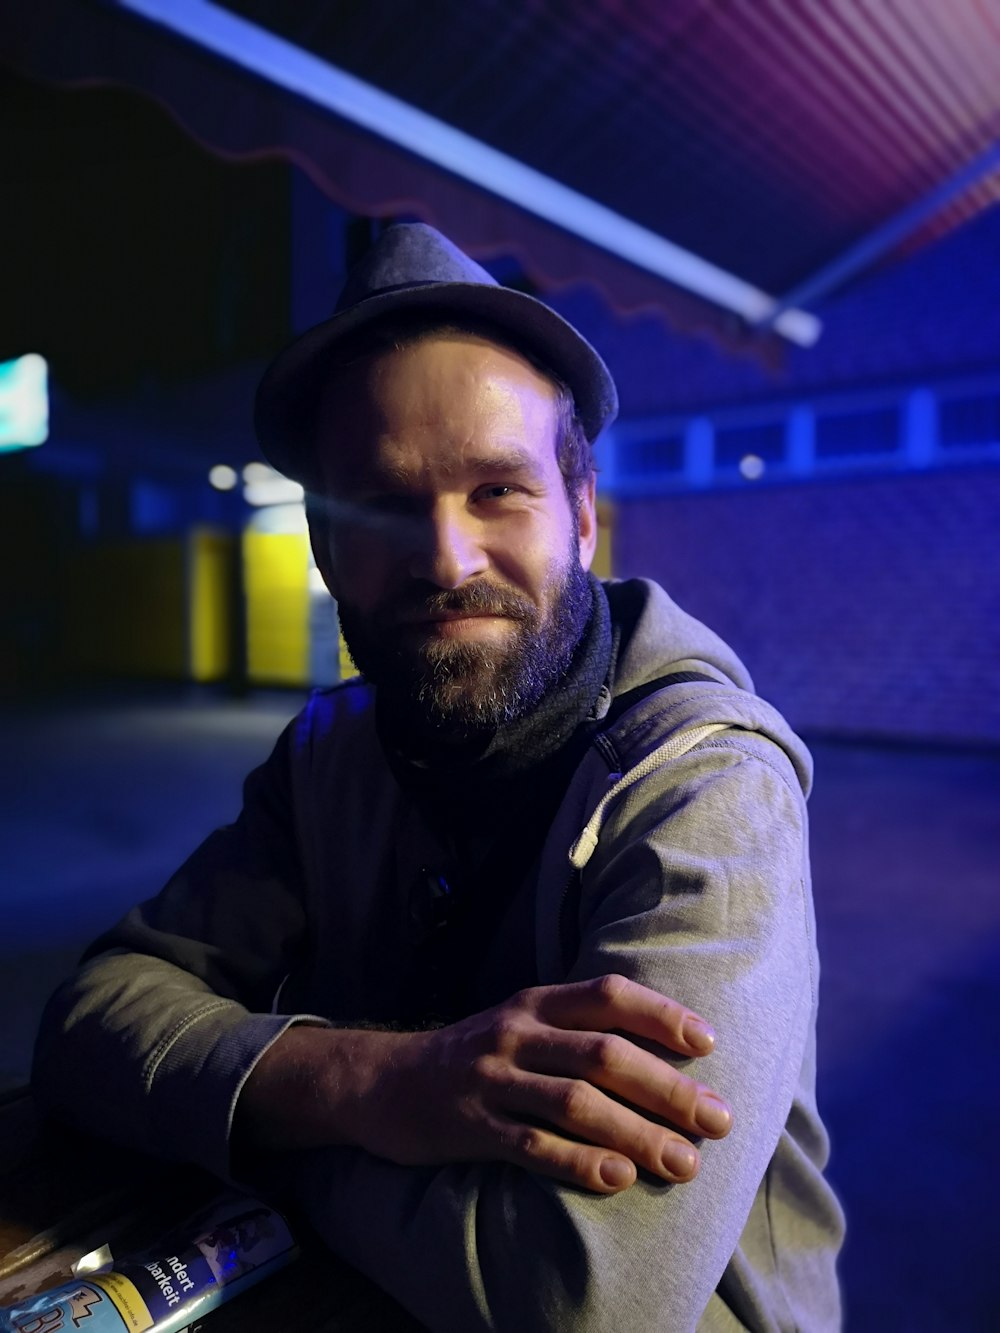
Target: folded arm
{"x": 546, "y": 1081}
{"x": 696, "y": 891}
{"x": 699, "y": 898}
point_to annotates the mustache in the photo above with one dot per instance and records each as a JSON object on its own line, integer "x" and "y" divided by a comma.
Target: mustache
{"x": 483, "y": 599}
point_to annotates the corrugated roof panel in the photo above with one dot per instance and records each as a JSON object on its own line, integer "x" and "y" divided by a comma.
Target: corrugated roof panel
{"x": 765, "y": 136}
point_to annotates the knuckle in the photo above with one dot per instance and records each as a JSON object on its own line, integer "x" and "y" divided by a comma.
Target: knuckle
{"x": 575, "y": 1099}
{"x": 683, "y": 1095}
{"x": 672, "y": 1012}
{"x": 486, "y": 1068}
{"x": 526, "y": 1141}
{"x": 584, "y": 1165}
{"x": 611, "y": 986}
{"x": 506, "y": 1033}
{"x": 529, "y": 998}
{"x": 611, "y": 1053}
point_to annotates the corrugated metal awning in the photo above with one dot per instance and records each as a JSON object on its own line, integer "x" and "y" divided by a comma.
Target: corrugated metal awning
{"x": 769, "y": 139}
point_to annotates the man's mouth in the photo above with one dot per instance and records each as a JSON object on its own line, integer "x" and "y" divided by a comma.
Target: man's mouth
{"x": 447, "y": 617}
{"x": 475, "y": 613}
{"x": 454, "y": 624}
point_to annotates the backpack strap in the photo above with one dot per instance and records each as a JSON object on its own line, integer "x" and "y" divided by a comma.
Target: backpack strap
{"x": 586, "y": 842}
{"x": 621, "y": 704}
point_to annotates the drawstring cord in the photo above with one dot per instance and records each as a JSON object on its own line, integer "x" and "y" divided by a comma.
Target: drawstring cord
{"x": 582, "y": 850}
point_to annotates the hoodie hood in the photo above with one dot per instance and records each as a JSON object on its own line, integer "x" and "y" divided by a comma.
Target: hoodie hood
{"x": 651, "y": 629}
{"x": 654, "y": 637}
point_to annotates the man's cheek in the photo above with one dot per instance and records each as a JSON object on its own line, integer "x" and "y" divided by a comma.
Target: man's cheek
{"x": 358, "y": 570}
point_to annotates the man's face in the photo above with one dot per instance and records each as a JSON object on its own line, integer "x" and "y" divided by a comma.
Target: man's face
{"x": 455, "y": 555}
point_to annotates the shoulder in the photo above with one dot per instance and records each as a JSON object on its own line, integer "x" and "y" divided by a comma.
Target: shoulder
{"x": 330, "y": 758}
{"x": 653, "y": 635}
{"x": 335, "y": 711}
{"x": 706, "y": 698}
{"x": 337, "y": 725}
{"x": 704, "y": 714}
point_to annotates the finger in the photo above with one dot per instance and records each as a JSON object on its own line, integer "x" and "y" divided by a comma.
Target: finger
{"x": 612, "y": 1062}
{"x": 542, "y": 1150}
{"x": 580, "y": 1109}
{"x": 603, "y": 1003}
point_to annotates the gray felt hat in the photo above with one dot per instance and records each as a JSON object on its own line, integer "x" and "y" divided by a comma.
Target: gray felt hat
{"x": 413, "y": 267}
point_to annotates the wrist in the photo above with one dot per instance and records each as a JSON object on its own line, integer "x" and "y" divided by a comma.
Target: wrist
{"x": 312, "y": 1088}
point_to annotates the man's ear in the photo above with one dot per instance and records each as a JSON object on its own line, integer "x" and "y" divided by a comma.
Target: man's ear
{"x": 587, "y": 520}
{"x": 319, "y": 540}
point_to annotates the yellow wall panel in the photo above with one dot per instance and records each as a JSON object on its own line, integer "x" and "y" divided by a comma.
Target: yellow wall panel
{"x": 210, "y": 612}
{"x": 276, "y": 581}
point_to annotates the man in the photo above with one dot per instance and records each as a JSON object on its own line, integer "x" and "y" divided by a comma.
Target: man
{"x": 450, "y": 977}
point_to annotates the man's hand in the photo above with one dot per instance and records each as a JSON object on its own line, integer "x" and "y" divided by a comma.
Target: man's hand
{"x": 538, "y": 1081}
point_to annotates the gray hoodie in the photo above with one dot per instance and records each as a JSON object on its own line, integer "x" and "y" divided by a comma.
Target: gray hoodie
{"x": 679, "y": 850}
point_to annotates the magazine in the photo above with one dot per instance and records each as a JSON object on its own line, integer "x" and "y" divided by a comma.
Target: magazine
{"x": 216, "y": 1254}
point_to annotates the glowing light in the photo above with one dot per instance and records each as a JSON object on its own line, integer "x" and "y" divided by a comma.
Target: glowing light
{"x": 752, "y": 467}
{"x": 280, "y": 519}
{"x": 254, "y": 472}
{"x": 263, "y": 486}
{"x": 24, "y": 402}
{"x": 222, "y": 477}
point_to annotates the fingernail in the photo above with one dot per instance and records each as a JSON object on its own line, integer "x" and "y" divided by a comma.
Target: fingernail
{"x": 712, "y": 1116}
{"x": 680, "y": 1159}
{"x": 698, "y": 1033}
{"x": 616, "y": 1173}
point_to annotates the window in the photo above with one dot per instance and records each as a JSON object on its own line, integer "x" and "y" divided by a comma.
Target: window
{"x": 969, "y": 421}
{"x": 848, "y": 434}
{"x": 766, "y": 441}
{"x": 651, "y": 456}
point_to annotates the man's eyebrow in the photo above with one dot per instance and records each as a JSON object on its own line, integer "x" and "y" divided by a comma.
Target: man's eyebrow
{"x": 501, "y": 463}
{"x": 504, "y": 462}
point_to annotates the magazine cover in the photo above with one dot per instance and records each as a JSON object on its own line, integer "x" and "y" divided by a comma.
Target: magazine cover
{"x": 216, "y": 1254}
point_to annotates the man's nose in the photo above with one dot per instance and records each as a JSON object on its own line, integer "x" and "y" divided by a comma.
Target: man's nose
{"x": 449, "y": 550}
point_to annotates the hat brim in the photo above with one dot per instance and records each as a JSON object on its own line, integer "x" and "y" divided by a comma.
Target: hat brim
{"x": 289, "y": 393}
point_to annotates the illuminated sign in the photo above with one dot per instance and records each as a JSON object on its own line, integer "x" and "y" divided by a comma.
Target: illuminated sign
{"x": 24, "y": 402}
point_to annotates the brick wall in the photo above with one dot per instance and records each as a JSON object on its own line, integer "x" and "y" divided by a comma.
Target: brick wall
{"x": 862, "y": 606}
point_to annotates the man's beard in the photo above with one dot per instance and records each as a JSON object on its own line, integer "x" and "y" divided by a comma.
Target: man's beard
{"x": 458, "y": 691}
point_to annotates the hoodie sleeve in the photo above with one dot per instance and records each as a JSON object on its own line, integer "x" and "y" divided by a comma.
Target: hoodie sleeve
{"x": 698, "y": 889}
{"x": 170, "y": 1011}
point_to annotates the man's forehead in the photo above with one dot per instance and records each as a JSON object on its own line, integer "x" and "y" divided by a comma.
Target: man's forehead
{"x": 459, "y": 353}
{"x": 458, "y": 399}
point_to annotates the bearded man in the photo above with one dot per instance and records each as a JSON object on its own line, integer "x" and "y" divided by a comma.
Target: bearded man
{"x": 514, "y": 922}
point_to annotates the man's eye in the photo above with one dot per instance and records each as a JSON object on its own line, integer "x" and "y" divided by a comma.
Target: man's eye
{"x": 498, "y": 492}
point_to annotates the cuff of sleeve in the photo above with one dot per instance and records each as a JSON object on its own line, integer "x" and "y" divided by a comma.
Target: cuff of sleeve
{"x": 199, "y": 1076}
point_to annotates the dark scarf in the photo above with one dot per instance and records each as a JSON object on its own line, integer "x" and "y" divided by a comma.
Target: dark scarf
{"x": 489, "y": 812}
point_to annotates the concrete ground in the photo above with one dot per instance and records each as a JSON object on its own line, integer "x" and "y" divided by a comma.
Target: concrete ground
{"x": 100, "y": 800}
